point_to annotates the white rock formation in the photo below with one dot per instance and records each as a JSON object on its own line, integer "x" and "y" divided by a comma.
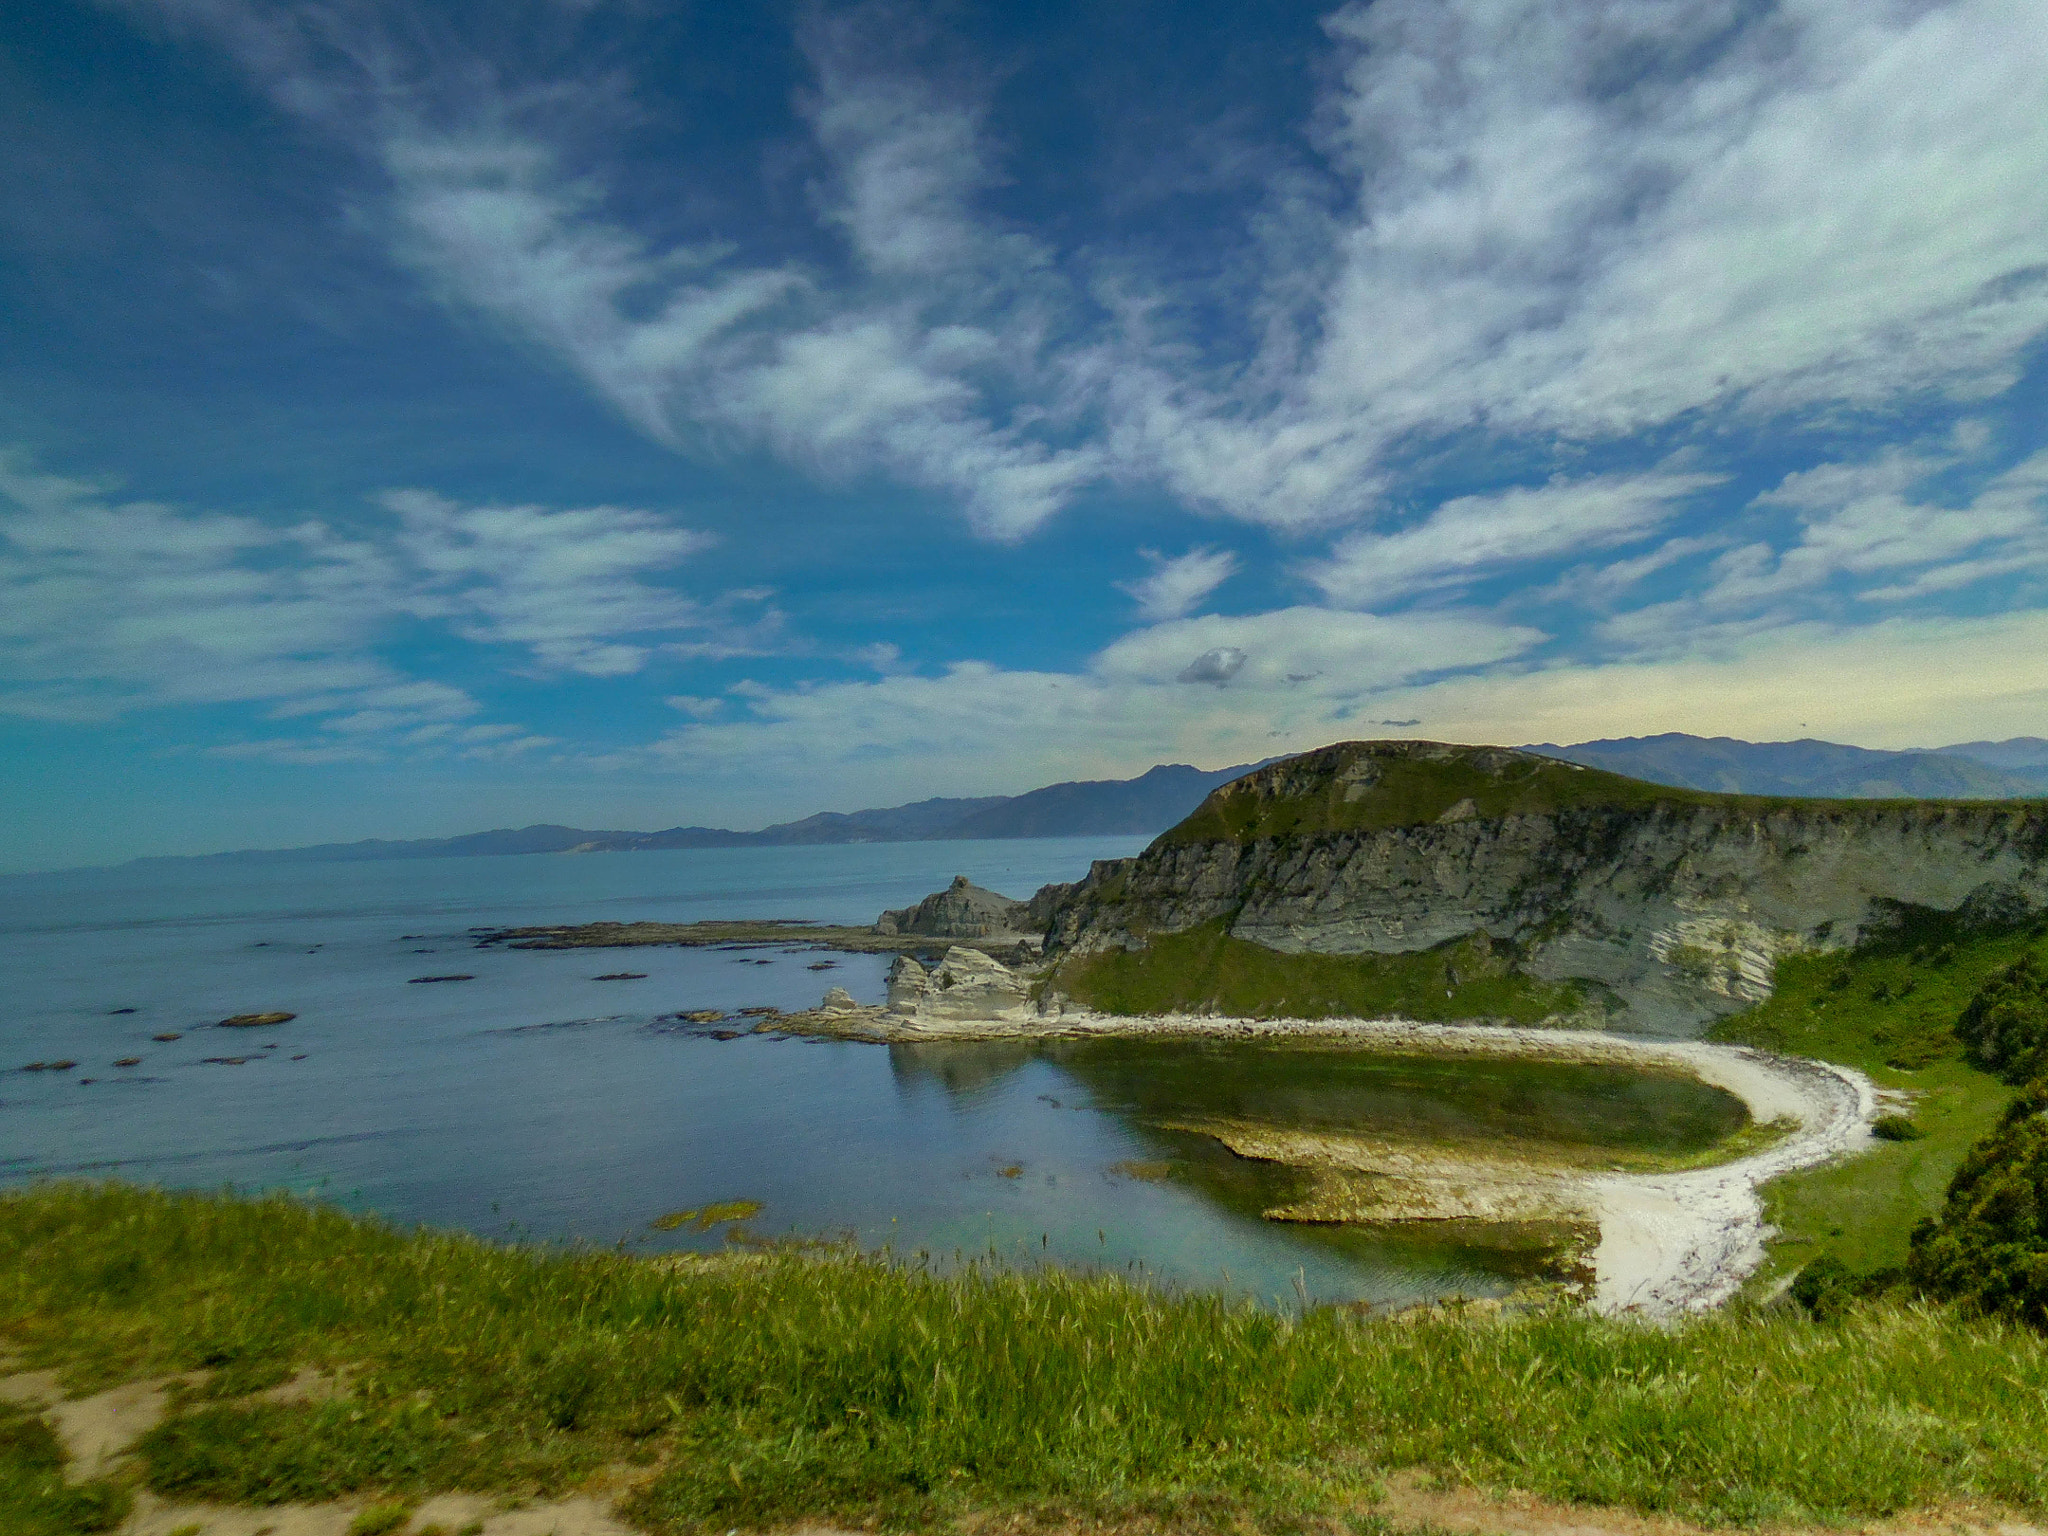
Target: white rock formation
{"x": 966, "y": 987}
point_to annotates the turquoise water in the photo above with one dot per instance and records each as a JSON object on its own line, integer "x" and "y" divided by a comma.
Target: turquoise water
{"x": 537, "y": 1102}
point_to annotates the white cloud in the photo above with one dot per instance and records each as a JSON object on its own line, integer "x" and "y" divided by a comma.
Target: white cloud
{"x": 977, "y": 728}
{"x": 1177, "y": 585}
{"x": 1473, "y": 537}
{"x": 1896, "y": 683}
{"x": 1547, "y": 221}
{"x": 1864, "y": 535}
{"x": 565, "y": 584}
{"x": 1861, "y": 520}
{"x": 1569, "y": 225}
{"x": 109, "y": 606}
{"x": 1333, "y": 655}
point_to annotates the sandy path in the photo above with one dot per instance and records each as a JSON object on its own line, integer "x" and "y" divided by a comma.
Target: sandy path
{"x": 1669, "y": 1243}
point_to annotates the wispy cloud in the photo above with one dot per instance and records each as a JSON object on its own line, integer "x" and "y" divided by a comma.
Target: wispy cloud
{"x": 1311, "y": 676}
{"x": 1545, "y": 223}
{"x": 1580, "y": 221}
{"x": 1473, "y": 537}
{"x": 1856, "y": 540}
{"x": 1178, "y": 584}
{"x": 108, "y": 606}
{"x": 565, "y": 584}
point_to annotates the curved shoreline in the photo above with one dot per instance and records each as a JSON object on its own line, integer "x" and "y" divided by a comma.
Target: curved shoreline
{"x": 1670, "y": 1243}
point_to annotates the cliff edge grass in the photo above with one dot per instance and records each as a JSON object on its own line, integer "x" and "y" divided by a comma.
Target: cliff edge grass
{"x": 1205, "y": 970}
{"x": 772, "y": 1389}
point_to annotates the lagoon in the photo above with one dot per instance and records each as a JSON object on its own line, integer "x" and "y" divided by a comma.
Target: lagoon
{"x": 538, "y": 1102}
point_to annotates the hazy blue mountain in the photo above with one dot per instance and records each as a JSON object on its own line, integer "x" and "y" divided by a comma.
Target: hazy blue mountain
{"x": 1819, "y": 768}
{"x": 537, "y": 839}
{"x": 2020, "y": 754}
{"x": 895, "y": 824}
{"x": 1152, "y": 802}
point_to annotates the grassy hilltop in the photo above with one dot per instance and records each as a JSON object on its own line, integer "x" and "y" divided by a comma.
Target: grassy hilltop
{"x": 764, "y": 1391}
{"x": 1441, "y": 882}
{"x": 1334, "y": 789}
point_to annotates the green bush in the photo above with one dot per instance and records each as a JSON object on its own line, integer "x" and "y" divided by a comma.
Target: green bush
{"x": 2004, "y": 1029}
{"x": 1896, "y": 1128}
{"x": 1989, "y": 1248}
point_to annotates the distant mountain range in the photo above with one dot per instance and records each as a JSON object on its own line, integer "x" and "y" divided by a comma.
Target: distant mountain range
{"x": 1152, "y": 802}
{"x": 1155, "y": 800}
{"x": 1976, "y": 770}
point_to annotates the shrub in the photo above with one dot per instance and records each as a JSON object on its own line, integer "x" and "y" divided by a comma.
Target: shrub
{"x": 2004, "y": 1028}
{"x": 1896, "y": 1128}
{"x": 1989, "y": 1248}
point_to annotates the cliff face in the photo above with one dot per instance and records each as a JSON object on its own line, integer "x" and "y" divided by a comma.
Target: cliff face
{"x": 1675, "y": 904}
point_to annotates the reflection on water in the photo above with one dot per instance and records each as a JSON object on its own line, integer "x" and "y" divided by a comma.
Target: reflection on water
{"x": 1493, "y": 1099}
{"x": 538, "y": 1101}
{"x": 1155, "y": 1089}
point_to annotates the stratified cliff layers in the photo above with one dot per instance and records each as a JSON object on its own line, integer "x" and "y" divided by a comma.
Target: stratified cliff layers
{"x": 1663, "y": 908}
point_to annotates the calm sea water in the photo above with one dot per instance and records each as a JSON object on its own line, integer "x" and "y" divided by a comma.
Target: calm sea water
{"x": 537, "y": 1102}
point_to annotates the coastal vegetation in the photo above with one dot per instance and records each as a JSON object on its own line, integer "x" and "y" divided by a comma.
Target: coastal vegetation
{"x": 1205, "y": 969}
{"x": 773, "y": 1387}
{"x": 1892, "y": 1007}
{"x": 1319, "y": 793}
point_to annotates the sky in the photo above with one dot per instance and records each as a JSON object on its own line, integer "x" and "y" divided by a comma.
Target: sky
{"x": 417, "y": 419}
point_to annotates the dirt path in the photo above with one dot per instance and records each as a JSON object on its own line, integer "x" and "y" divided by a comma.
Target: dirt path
{"x": 98, "y": 1431}
{"x": 1412, "y": 1502}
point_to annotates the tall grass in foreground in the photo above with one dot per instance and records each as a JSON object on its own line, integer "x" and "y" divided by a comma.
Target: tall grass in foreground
{"x": 787, "y": 1387}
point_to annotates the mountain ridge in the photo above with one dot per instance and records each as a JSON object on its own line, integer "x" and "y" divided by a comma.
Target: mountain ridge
{"x": 1151, "y": 802}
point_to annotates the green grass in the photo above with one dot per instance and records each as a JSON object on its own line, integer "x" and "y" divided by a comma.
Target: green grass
{"x": 1206, "y": 970}
{"x": 35, "y": 1499}
{"x": 1409, "y": 784}
{"x": 783, "y": 1388}
{"x": 1888, "y": 1008}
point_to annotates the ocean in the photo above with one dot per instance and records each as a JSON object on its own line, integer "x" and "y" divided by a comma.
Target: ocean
{"x": 537, "y": 1103}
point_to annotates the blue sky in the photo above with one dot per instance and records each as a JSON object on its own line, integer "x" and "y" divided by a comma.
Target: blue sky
{"x": 421, "y": 418}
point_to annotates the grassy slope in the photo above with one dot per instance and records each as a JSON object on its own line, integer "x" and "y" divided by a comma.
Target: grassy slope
{"x": 1414, "y": 790}
{"x": 788, "y": 1388}
{"x": 1889, "y": 1009}
{"x": 1205, "y": 970}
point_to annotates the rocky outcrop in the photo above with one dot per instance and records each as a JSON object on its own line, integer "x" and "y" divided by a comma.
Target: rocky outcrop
{"x": 965, "y": 987}
{"x": 1675, "y": 903}
{"x": 962, "y": 910}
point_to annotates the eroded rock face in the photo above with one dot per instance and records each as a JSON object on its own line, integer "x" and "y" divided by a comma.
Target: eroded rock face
{"x": 966, "y": 987}
{"x": 1677, "y": 902}
{"x": 907, "y": 981}
{"x": 962, "y": 910}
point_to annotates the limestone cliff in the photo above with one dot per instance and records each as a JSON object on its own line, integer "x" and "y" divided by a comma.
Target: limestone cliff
{"x": 1671, "y": 904}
